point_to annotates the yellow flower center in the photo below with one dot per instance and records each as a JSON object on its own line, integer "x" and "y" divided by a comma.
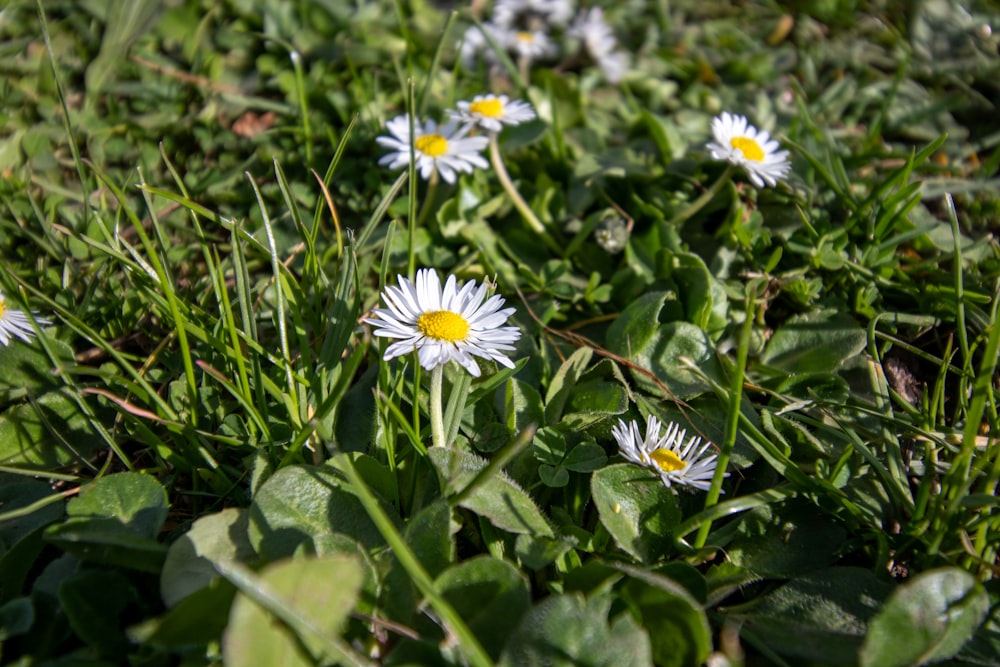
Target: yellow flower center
{"x": 525, "y": 37}
{"x": 433, "y": 145}
{"x": 3, "y": 307}
{"x": 491, "y": 107}
{"x": 667, "y": 460}
{"x": 443, "y": 325}
{"x": 751, "y": 149}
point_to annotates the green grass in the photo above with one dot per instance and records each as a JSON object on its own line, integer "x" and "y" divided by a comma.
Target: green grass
{"x": 205, "y": 460}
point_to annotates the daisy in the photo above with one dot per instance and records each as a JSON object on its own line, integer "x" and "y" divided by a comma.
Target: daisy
{"x": 474, "y": 42}
{"x": 444, "y": 149}
{"x": 530, "y": 45}
{"x": 532, "y": 13}
{"x": 444, "y": 324}
{"x": 14, "y": 323}
{"x": 674, "y": 461}
{"x": 492, "y": 112}
{"x": 742, "y": 144}
{"x": 599, "y": 40}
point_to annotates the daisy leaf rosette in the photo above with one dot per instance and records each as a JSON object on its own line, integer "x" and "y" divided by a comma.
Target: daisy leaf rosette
{"x": 455, "y": 322}
{"x": 742, "y": 144}
{"x": 443, "y": 149}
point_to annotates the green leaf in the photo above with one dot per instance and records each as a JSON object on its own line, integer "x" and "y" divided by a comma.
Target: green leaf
{"x": 497, "y": 498}
{"x": 677, "y": 626}
{"x": 16, "y": 618}
{"x": 820, "y": 617}
{"x": 593, "y": 401}
{"x": 785, "y": 541}
{"x": 109, "y": 542}
{"x": 312, "y": 596}
{"x": 816, "y": 342}
{"x": 95, "y": 602}
{"x": 569, "y": 631}
{"x": 17, "y": 492}
{"x": 26, "y": 438}
{"x": 636, "y": 509}
{"x": 189, "y": 564}
{"x": 586, "y": 457}
{"x": 563, "y": 382}
{"x": 535, "y": 552}
{"x": 523, "y": 406}
{"x": 639, "y": 336}
{"x": 137, "y": 501}
{"x": 430, "y": 533}
{"x": 195, "y": 620}
{"x": 301, "y": 505}
{"x": 26, "y": 369}
{"x": 927, "y": 619}
{"x": 490, "y": 595}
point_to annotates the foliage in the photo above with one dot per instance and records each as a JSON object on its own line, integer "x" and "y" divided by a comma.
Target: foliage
{"x": 204, "y": 461}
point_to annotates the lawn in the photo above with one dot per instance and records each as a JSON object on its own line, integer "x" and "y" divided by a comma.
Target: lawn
{"x": 521, "y": 333}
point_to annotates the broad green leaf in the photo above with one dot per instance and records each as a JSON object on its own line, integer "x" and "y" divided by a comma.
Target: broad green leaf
{"x": 18, "y": 492}
{"x": 314, "y": 595}
{"x": 704, "y": 297}
{"x": 563, "y": 382}
{"x": 585, "y": 457}
{"x": 490, "y": 595}
{"x": 26, "y": 439}
{"x": 299, "y": 506}
{"x": 430, "y": 533}
{"x": 195, "y": 620}
{"x": 497, "y": 498}
{"x": 820, "y": 617}
{"x": 816, "y": 342}
{"x": 137, "y": 501}
{"x": 522, "y": 406}
{"x": 16, "y": 618}
{"x": 639, "y": 336}
{"x": 784, "y": 541}
{"x": 535, "y": 552}
{"x": 927, "y": 619}
{"x": 26, "y": 369}
{"x": 96, "y": 603}
{"x": 189, "y": 565}
{"x": 568, "y": 631}
{"x": 108, "y": 542}
{"x": 637, "y": 509}
{"x": 677, "y": 626}
{"x": 593, "y": 401}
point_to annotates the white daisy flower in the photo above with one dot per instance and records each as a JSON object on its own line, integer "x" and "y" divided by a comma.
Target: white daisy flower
{"x": 443, "y": 148}
{"x": 474, "y": 42}
{"x": 599, "y": 40}
{"x": 532, "y": 45}
{"x": 742, "y": 144}
{"x": 674, "y": 461}
{"x": 14, "y": 323}
{"x": 444, "y": 324}
{"x": 492, "y": 112}
{"x": 515, "y": 13}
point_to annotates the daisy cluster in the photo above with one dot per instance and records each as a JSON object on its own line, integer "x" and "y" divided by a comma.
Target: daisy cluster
{"x": 446, "y": 148}
{"x": 534, "y": 30}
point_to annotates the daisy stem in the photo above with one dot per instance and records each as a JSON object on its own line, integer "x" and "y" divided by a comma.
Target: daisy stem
{"x": 733, "y": 416}
{"x": 437, "y": 416}
{"x": 705, "y": 197}
{"x": 515, "y": 196}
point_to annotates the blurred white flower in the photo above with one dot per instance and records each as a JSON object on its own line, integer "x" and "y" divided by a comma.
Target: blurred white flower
{"x": 599, "y": 40}
{"x": 444, "y": 149}
{"x": 676, "y": 462}
{"x": 738, "y": 142}
{"x": 441, "y": 325}
{"x": 492, "y": 112}
{"x": 533, "y": 45}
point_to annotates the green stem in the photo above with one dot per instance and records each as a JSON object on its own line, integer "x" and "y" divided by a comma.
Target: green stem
{"x": 705, "y": 197}
{"x": 437, "y": 416}
{"x": 515, "y": 196}
{"x": 732, "y": 422}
